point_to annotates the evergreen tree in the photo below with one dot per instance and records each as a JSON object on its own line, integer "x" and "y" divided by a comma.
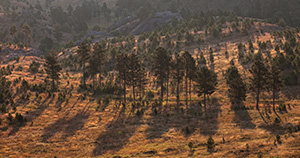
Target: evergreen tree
{"x": 177, "y": 74}
{"x": 83, "y": 54}
{"x": 26, "y": 30}
{"x": 99, "y": 55}
{"x": 13, "y": 31}
{"x": 160, "y": 66}
{"x": 189, "y": 67}
{"x": 202, "y": 60}
{"x": 237, "y": 88}
{"x": 92, "y": 67}
{"x": 52, "y": 67}
{"x": 5, "y": 92}
{"x": 134, "y": 69}
{"x": 275, "y": 80}
{"x": 142, "y": 81}
{"x": 206, "y": 82}
{"x": 258, "y": 80}
{"x": 122, "y": 69}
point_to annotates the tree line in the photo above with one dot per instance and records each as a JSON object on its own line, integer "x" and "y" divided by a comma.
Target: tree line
{"x": 181, "y": 68}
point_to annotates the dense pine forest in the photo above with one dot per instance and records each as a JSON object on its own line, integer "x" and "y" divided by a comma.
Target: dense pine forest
{"x": 138, "y": 78}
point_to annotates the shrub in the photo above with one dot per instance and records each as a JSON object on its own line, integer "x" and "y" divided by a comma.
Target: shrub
{"x": 259, "y": 154}
{"x": 34, "y": 67}
{"x": 149, "y": 95}
{"x": 10, "y": 118}
{"x": 276, "y": 120}
{"x": 278, "y": 139}
{"x": 190, "y": 145}
{"x": 282, "y": 107}
{"x": 210, "y": 143}
{"x": 19, "y": 68}
{"x": 3, "y": 109}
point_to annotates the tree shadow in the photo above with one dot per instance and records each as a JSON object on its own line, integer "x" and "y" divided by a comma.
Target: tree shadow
{"x": 209, "y": 124}
{"x": 175, "y": 118}
{"x": 68, "y": 126}
{"x": 242, "y": 117}
{"x": 117, "y": 132}
{"x": 276, "y": 128}
{"x": 30, "y": 117}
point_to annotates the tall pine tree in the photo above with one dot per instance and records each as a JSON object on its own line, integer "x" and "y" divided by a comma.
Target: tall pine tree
{"x": 99, "y": 55}
{"x": 259, "y": 78}
{"x": 237, "y": 88}
{"x": 206, "y": 80}
{"x": 83, "y": 54}
{"x": 122, "y": 69}
{"x": 160, "y": 66}
{"x": 52, "y": 67}
{"x": 134, "y": 69}
{"x": 177, "y": 74}
{"x": 275, "y": 80}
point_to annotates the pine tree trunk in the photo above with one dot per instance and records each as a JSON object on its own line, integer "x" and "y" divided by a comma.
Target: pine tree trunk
{"x": 177, "y": 91}
{"x": 190, "y": 91}
{"x": 204, "y": 100}
{"x": 124, "y": 91}
{"x": 100, "y": 79}
{"x": 133, "y": 92}
{"x": 162, "y": 89}
{"x": 257, "y": 99}
{"x": 186, "y": 91}
{"x": 94, "y": 82}
{"x": 167, "y": 89}
{"x": 140, "y": 91}
{"x": 84, "y": 84}
{"x": 273, "y": 100}
{"x": 53, "y": 85}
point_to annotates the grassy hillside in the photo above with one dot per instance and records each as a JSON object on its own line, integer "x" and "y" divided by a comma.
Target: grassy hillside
{"x": 78, "y": 123}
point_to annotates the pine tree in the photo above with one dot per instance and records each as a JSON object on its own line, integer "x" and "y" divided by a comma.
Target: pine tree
{"x": 202, "y": 60}
{"x": 237, "y": 88}
{"x": 99, "y": 55}
{"x": 26, "y": 30}
{"x": 177, "y": 74}
{"x": 83, "y": 54}
{"x": 160, "y": 66}
{"x": 92, "y": 67}
{"x": 134, "y": 69}
{"x": 206, "y": 82}
{"x": 258, "y": 80}
{"x": 13, "y": 31}
{"x": 142, "y": 81}
{"x": 5, "y": 92}
{"x": 275, "y": 80}
{"x": 122, "y": 69}
{"x": 189, "y": 67}
{"x": 52, "y": 67}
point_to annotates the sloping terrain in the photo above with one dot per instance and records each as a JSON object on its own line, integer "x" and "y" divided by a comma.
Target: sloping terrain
{"x": 81, "y": 126}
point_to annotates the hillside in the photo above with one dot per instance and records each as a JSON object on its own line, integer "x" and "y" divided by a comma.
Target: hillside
{"x": 56, "y": 24}
{"x": 78, "y": 122}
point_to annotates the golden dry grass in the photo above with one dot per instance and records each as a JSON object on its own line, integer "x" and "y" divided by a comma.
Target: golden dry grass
{"x": 76, "y": 129}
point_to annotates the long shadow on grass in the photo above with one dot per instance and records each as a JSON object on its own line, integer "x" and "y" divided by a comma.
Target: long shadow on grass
{"x": 68, "y": 126}
{"x": 31, "y": 116}
{"x": 276, "y": 128}
{"x": 242, "y": 117}
{"x": 117, "y": 133}
{"x": 176, "y": 118}
{"x": 209, "y": 124}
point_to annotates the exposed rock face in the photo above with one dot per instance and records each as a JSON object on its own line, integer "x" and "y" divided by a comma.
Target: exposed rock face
{"x": 132, "y": 24}
{"x": 8, "y": 52}
{"x": 157, "y": 20}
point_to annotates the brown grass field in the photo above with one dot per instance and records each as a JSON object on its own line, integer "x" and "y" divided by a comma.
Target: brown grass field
{"x": 77, "y": 129}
